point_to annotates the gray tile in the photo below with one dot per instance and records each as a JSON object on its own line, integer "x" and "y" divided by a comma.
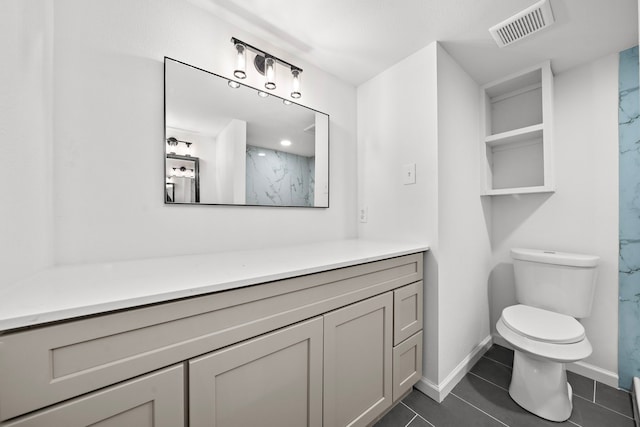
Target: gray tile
{"x": 497, "y": 402}
{"x": 493, "y": 371}
{"x": 452, "y": 412}
{"x": 587, "y": 414}
{"x": 399, "y": 416}
{"x": 582, "y": 386}
{"x": 419, "y": 422}
{"x": 500, "y": 354}
{"x": 612, "y": 398}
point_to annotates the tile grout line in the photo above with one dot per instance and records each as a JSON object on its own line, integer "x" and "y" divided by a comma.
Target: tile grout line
{"x": 490, "y": 382}
{"x": 603, "y": 407}
{"x": 474, "y": 406}
{"x": 411, "y": 420}
{"x": 417, "y": 414}
{"x": 498, "y": 362}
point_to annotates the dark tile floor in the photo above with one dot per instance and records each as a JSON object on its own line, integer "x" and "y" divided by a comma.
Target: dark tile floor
{"x": 482, "y": 399}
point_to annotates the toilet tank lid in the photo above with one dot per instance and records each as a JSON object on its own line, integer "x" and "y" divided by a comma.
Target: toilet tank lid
{"x": 553, "y": 257}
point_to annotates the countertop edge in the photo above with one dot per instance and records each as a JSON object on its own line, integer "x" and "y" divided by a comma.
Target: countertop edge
{"x": 55, "y": 314}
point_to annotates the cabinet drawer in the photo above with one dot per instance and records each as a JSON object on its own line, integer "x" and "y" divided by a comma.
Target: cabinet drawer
{"x": 155, "y": 400}
{"x": 407, "y": 311}
{"x": 43, "y": 366}
{"x": 407, "y": 365}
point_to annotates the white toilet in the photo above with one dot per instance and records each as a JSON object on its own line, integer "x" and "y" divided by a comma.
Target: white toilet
{"x": 553, "y": 288}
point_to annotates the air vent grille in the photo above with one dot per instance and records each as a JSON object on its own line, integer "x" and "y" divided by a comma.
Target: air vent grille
{"x": 523, "y": 24}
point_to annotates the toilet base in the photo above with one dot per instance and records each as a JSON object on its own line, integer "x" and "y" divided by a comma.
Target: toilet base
{"x": 540, "y": 386}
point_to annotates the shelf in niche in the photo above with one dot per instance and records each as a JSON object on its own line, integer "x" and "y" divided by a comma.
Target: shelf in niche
{"x": 519, "y": 190}
{"x": 515, "y": 136}
{"x": 181, "y": 157}
{"x": 516, "y": 133}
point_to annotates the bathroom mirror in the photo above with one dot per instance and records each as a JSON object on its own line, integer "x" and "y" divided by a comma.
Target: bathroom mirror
{"x": 230, "y": 146}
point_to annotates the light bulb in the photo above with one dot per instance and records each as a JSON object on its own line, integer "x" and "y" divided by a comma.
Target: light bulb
{"x": 270, "y": 73}
{"x": 295, "y": 85}
{"x": 241, "y": 61}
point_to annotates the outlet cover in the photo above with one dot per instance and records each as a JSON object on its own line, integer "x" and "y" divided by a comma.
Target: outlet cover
{"x": 363, "y": 214}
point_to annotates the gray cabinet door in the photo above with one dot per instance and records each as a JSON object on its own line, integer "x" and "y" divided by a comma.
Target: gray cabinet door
{"x": 358, "y": 362}
{"x": 271, "y": 381}
{"x": 154, "y": 400}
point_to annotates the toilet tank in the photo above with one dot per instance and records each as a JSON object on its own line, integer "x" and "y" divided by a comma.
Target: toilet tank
{"x": 555, "y": 281}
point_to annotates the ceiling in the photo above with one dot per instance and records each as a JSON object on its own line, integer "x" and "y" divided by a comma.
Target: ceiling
{"x": 357, "y": 39}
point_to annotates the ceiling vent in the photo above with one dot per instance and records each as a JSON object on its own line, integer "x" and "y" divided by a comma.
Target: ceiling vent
{"x": 529, "y": 21}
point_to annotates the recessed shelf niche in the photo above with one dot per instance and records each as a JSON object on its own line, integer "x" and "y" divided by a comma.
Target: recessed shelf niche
{"x": 516, "y": 133}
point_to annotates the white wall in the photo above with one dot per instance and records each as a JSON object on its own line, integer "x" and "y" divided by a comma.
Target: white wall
{"x": 463, "y": 220}
{"x": 26, "y": 211}
{"x": 424, "y": 110}
{"x": 397, "y": 127}
{"x": 108, "y": 72}
{"x": 582, "y": 215}
{"x": 231, "y": 163}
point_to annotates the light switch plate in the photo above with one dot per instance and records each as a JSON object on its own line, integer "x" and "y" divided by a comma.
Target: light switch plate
{"x": 409, "y": 174}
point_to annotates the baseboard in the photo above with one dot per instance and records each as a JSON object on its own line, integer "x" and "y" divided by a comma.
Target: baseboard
{"x": 582, "y": 368}
{"x": 595, "y": 373}
{"x": 635, "y": 391}
{"x": 439, "y": 391}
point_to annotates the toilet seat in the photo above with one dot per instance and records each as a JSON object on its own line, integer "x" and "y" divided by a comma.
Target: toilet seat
{"x": 543, "y": 325}
{"x": 553, "y": 351}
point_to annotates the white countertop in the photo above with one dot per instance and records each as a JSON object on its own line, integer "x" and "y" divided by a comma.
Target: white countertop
{"x": 65, "y": 292}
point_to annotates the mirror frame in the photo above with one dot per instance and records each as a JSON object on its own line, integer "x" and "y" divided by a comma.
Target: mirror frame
{"x": 198, "y": 202}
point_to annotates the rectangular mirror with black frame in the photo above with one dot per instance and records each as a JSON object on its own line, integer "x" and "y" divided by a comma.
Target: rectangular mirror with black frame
{"x": 231, "y": 146}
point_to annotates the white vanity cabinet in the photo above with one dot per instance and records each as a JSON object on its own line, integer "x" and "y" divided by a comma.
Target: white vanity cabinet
{"x": 332, "y": 348}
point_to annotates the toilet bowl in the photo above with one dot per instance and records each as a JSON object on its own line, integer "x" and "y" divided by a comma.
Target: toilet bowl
{"x": 543, "y": 342}
{"x": 553, "y": 289}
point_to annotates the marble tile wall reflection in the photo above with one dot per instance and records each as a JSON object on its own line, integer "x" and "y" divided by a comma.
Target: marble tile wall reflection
{"x": 629, "y": 262}
{"x": 279, "y": 178}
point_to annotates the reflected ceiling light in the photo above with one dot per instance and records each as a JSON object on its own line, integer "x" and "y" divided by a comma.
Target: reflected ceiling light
{"x": 261, "y": 154}
{"x": 241, "y": 61}
{"x": 262, "y": 94}
{"x": 286, "y": 102}
{"x": 285, "y": 143}
{"x": 234, "y": 84}
{"x": 265, "y": 63}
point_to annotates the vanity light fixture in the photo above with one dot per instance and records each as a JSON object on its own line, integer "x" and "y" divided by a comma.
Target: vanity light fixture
{"x": 173, "y": 144}
{"x": 265, "y": 64}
